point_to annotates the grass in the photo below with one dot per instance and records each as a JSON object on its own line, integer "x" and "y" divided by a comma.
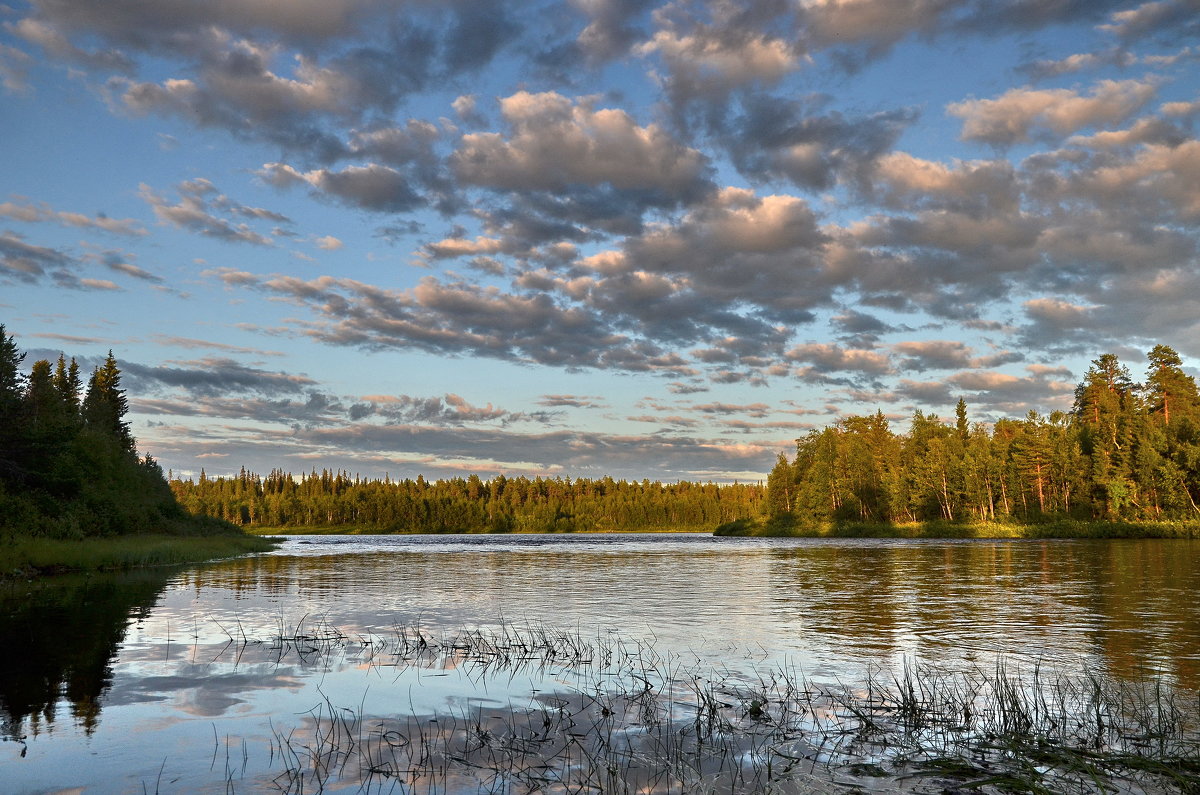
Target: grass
{"x": 622, "y": 718}
{"x": 787, "y": 526}
{"x": 23, "y": 556}
{"x": 367, "y": 530}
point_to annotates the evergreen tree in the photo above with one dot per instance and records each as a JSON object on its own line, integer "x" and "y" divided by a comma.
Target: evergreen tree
{"x": 105, "y": 406}
{"x": 12, "y": 394}
{"x": 69, "y": 385}
{"x": 1170, "y": 392}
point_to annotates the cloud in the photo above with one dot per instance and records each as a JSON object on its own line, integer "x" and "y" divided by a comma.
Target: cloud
{"x": 215, "y": 377}
{"x": 55, "y": 43}
{"x": 1176, "y": 18}
{"x": 826, "y": 357}
{"x": 556, "y": 143}
{"x": 922, "y": 355}
{"x": 611, "y": 28}
{"x": 328, "y": 243}
{"x": 30, "y": 212}
{"x": 198, "y": 208}
{"x": 14, "y": 70}
{"x": 572, "y": 401}
{"x": 173, "y": 341}
{"x": 448, "y": 410}
{"x": 710, "y": 61}
{"x": 777, "y": 138}
{"x": 372, "y": 187}
{"x": 134, "y": 271}
{"x": 1021, "y": 114}
{"x": 28, "y": 263}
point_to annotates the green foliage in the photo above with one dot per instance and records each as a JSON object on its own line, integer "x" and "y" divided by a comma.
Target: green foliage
{"x": 1126, "y": 455}
{"x": 69, "y": 467}
{"x": 335, "y": 501}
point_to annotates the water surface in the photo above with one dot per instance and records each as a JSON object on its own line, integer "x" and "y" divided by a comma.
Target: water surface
{"x": 176, "y": 681}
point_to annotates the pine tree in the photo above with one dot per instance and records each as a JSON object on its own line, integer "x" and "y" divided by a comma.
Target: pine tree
{"x": 1170, "y": 392}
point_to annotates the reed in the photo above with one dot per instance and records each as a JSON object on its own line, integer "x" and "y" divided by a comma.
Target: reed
{"x": 615, "y": 716}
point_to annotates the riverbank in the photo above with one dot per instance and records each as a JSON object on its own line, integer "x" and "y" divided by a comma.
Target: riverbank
{"x": 355, "y": 530}
{"x": 24, "y": 557}
{"x": 791, "y": 527}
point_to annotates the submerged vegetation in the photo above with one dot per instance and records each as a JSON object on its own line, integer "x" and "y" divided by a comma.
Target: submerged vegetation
{"x": 1124, "y": 461}
{"x": 610, "y": 714}
{"x": 70, "y": 473}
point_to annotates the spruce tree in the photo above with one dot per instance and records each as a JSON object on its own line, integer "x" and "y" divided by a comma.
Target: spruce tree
{"x": 105, "y": 406}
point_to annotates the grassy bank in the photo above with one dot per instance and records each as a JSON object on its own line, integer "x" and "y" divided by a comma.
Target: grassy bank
{"x": 352, "y": 530}
{"x": 792, "y": 527}
{"x": 23, "y": 556}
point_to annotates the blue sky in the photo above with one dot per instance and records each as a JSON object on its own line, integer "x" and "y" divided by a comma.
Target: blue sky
{"x": 591, "y": 237}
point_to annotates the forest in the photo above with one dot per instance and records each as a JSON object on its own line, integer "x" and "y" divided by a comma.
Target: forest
{"x": 69, "y": 466}
{"x": 465, "y": 505}
{"x": 1126, "y": 452}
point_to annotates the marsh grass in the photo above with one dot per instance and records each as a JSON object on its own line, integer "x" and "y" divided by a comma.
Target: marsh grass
{"x": 614, "y": 716}
{"x": 788, "y": 526}
{"x": 30, "y": 556}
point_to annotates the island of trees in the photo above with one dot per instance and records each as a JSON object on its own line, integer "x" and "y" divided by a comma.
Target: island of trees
{"x": 1126, "y": 454}
{"x": 70, "y": 472}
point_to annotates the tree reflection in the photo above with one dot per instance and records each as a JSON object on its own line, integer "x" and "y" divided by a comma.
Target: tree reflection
{"x": 59, "y": 638}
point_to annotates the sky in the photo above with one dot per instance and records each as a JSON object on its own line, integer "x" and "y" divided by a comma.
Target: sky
{"x": 591, "y": 237}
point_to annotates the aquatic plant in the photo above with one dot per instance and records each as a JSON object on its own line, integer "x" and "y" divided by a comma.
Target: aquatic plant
{"x": 613, "y": 715}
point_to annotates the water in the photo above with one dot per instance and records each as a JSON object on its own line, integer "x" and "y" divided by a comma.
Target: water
{"x": 178, "y": 681}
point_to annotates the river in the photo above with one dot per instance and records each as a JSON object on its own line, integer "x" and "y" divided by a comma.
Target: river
{"x": 249, "y": 675}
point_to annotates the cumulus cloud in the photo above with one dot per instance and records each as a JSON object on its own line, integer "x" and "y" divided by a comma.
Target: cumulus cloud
{"x": 713, "y": 60}
{"x": 1173, "y": 17}
{"x": 777, "y": 138}
{"x": 556, "y": 142}
{"x": 826, "y": 357}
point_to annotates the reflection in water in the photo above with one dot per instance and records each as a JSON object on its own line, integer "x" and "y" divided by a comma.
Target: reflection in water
{"x": 189, "y": 657}
{"x": 59, "y": 637}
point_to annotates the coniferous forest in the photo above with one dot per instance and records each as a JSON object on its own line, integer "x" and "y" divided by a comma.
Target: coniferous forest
{"x": 1126, "y": 452}
{"x": 471, "y": 505}
{"x": 69, "y": 467}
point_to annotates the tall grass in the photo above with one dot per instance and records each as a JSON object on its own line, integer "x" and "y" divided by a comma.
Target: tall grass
{"x": 25, "y": 555}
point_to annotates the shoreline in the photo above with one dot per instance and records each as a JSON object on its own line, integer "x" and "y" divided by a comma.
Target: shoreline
{"x": 791, "y": 527}
{"x": 26, "y": 558}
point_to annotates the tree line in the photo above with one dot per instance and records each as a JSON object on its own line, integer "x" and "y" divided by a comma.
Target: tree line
{"x": 1125, "y": 452}
{"x": 69, "y": 466}
{"x": 464, "y": 505}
